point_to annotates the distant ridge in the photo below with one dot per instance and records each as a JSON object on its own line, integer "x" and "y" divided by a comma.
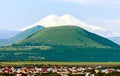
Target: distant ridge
{"x": 22, "y": 35}
{"x": 5, "y": 34}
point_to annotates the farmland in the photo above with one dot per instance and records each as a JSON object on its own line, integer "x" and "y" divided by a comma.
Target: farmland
{"x": 62, "y": 63}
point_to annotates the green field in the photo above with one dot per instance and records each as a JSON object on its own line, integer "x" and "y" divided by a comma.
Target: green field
{"x": 63, "y": 63}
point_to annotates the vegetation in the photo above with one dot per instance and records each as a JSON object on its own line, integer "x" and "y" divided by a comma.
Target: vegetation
{"x": 60, "y": 54}
{"x": 67, "y": 36}
{"x": 65, "y": 43}
{"x": 107, "y": 64}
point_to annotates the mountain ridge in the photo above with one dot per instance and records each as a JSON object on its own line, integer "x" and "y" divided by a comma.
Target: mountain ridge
{"x": 62, "y": 43}
{"x": 66, "y": 36}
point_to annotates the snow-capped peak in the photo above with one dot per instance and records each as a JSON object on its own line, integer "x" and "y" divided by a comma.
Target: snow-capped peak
{"x": 54, "y": 20}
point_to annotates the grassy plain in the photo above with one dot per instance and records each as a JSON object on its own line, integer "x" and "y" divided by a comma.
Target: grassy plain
{"x": 62, "y": 63}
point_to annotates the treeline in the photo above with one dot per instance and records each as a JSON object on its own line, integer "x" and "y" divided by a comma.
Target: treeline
{"x": 62, "y": 54}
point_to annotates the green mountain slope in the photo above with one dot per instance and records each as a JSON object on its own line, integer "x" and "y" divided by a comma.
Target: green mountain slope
{"x": 21, "y": 36}
{"x": 67, "y": 36}
{"x": 65, "y": 43}
{"x": 115, "y": 39}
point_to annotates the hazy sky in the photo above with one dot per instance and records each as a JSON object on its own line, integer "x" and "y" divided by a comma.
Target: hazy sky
{"x": 15, "y": 14}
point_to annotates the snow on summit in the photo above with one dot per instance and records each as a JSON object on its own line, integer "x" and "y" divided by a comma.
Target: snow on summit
{"x": 54, "y": 20}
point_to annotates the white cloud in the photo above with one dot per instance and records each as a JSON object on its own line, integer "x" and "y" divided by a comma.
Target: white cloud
{"x": 110, "y": 24}
{"x": 83, "y": 1}
{"x": 113, "y": 24}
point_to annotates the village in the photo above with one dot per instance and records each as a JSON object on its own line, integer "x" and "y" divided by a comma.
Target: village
{"x": 58, "y": 70}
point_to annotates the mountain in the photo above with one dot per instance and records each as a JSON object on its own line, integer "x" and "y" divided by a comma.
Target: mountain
{"x": 62, "y": 43}
{"x": 21, "y": 35}
{"x": 54, "y": 20}
{"x": 71, "y": 36}
{"x": 5, "y": 34}
{"x": 115, "y": 39}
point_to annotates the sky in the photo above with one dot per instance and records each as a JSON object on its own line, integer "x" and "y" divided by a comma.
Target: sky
{"x": 16, "y": 14}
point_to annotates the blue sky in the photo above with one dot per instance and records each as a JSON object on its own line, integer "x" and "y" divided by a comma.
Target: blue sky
{"x": 15, "y": 14}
